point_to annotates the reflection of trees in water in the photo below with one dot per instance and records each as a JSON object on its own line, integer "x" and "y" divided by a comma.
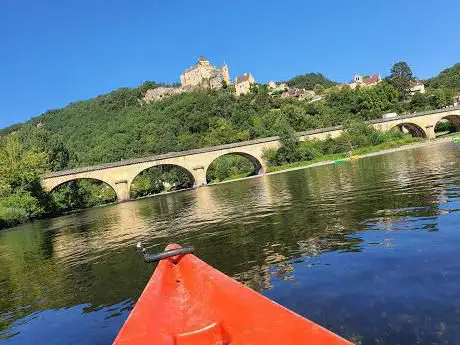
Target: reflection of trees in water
{"x": 332, "y": 202}
{"x": 68, "y": 264}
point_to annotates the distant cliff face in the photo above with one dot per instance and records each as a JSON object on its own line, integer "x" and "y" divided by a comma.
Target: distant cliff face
{"x": 160, "y": 93}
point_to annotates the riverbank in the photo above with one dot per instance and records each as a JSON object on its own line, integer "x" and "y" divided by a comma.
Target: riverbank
{"x": 381, "y": 149}
{"x": 359, "y": 153}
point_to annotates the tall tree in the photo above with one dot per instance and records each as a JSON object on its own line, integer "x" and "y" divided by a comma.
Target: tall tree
{"x": 401, "y": 77}
{"x": 21, "y": 195}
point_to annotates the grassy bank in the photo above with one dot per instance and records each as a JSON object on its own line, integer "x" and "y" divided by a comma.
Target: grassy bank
{"x": 231, "y": 178}
{"x": 356, "y": 152}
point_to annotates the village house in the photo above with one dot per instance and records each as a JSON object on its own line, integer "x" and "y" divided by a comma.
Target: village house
{"x": 284, "y": 91}
{"x": 417, "y": 87}
{"x": 243, "y": 83}
{"x": 364, "y": 81}
{"x": 204, "y": 74}
{"x": 300, "y": 94}
{"x": 456, "y": 101}
{"x": 276, "y": 87}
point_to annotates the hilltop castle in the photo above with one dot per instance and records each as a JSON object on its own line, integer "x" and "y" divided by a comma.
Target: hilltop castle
{"x": 204, "y": 74}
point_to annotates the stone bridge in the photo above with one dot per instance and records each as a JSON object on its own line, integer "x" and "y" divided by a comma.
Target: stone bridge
{"x": 120, "y": 175}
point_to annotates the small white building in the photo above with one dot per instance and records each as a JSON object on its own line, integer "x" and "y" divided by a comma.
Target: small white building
{"x": 274, "y": 86}
{"x": 389, "y": 115}
{"x": 417, "y": 87}
{"x": 271, "y": 85}
{"x": 243, "y": 83}
{"x": 456, "y": 101}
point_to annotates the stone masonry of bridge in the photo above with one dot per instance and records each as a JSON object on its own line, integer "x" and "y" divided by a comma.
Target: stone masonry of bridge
{"x": 120, "y": 175}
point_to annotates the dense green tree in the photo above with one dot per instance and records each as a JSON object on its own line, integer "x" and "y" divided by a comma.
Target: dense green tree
{"x": 356, "y": 134}
{"x": 38, "y": 138}
{"x": 82, "y": 194}
{"x": 160, "y": 179}
{"x": 448, "y": 79}
{"x": 401, "y": 77}
{"x": 365, "y": 103}
{"x": 311, "y": 81}
{"x": 21, "y": 195}
{"x": 229, "y": 166}
{"x": 433, "y": 99}
{"x": 289, "y": 141}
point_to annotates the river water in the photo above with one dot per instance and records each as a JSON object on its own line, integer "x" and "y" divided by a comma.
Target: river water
{"x": 369, "y": 249}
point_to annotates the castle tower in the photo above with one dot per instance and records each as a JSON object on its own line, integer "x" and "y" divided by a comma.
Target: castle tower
{"x": 225, "y": 73}
{"x": 357, "y": 79}
{"x": 203, "y": 61}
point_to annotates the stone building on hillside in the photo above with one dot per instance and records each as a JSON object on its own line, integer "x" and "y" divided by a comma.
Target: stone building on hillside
{"x": 243, "y": 83}
{"x": 300, "y": 94}
{"x": 204, "y": 74}
{"x": 285, "y": 91}
{"x": 456, "y": 101}
{"x": 365, "y": 81}
{"x": 417, "y": 87}
{"x": 276, "y": 88}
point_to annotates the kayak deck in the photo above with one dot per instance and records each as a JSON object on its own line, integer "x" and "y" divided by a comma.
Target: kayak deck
{"x": 188, "y": 302}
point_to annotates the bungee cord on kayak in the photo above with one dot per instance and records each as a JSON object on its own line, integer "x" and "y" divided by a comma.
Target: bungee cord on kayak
{"x": 149, "y": 258}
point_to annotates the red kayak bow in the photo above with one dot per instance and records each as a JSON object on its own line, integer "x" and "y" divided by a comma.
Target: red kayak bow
{"x": 188, "y": 302}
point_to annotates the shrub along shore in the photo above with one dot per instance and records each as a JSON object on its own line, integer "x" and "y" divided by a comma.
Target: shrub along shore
{"x": 338, "y": 156}
{"x": 357, "y": 139}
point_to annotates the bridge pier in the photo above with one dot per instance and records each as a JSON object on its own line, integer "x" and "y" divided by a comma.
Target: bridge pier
{"x": 199, "y": 176}
{"x": 429, "y": 130}
{"x": 122, "y": 190}
{"x": 263, "y": 168}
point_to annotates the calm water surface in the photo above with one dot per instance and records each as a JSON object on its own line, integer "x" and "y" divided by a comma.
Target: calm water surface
{"x": 369, "y": 249}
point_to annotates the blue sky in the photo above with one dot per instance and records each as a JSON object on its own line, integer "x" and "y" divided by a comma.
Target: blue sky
{"x": 56, "y": 52}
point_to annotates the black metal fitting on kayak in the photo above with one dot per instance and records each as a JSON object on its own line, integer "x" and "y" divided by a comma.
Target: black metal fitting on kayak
{"x": 163, "y": 255}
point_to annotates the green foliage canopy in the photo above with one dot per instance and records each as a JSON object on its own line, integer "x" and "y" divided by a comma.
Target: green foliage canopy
{"x": 311, "y": 80}
{"x": 447, "y": 79}
{"x": 401, "y": 77}
{"x": 21, "y": 195}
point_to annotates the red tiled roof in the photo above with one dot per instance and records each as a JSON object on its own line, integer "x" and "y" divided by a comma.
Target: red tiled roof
{"x": 242, "y": 78}
{"x": 372, "y": 79}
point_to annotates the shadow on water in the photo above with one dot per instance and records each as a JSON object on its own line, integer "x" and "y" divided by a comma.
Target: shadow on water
{"x": 367, "y": 249}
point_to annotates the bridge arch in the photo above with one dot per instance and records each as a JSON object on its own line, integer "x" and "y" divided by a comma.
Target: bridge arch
{"x": 450, "y": 123}
{"x": 81, "y": 195}
{"x": 411, "y": 128}
{"x": 256, "y": 163}
{"x": 158, "y": 178}
{"x": 60, "y": 182}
